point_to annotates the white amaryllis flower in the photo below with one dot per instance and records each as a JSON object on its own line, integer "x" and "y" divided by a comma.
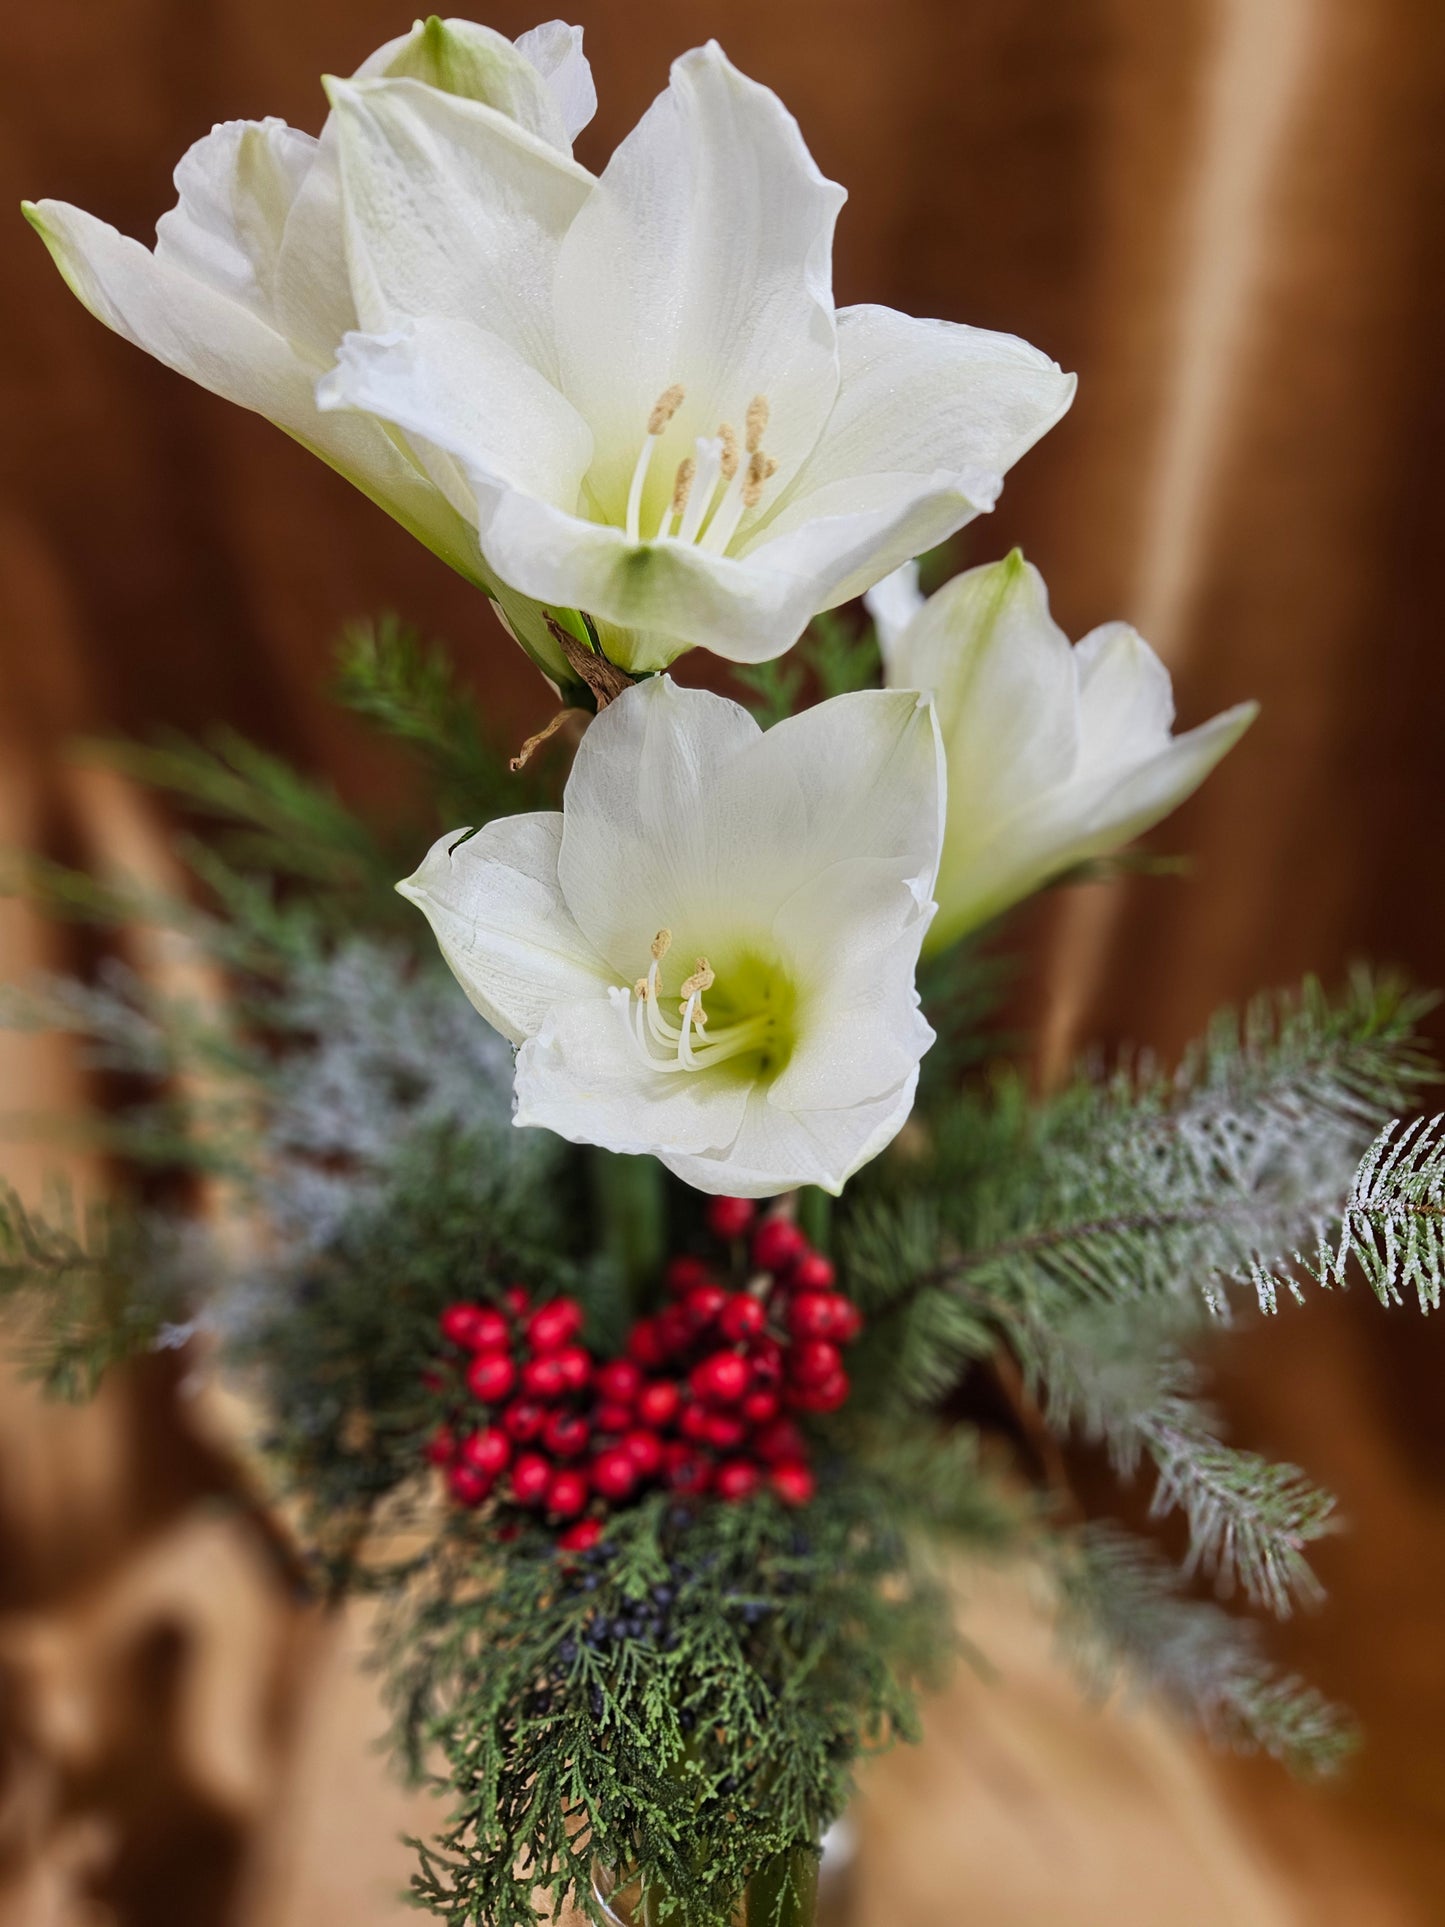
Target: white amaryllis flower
{"x": 709, "y": 953}
{"x": 638, "y": 389}
{"x": 247, "y": 289}
{"x": 1056, "y": 754}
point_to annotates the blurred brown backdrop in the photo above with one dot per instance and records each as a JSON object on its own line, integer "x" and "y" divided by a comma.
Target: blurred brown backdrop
{"x": 1225, "y": 214}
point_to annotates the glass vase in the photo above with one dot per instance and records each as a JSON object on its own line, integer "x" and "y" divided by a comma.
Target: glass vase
{"x": 784, "y": 1894}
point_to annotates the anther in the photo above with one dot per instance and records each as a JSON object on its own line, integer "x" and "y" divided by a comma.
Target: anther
{"x": 703, "y": 978}
{"x": 665, "y": 407}
{"x": 757, "y": 422}
{"x": 661, "y": 944}
{"x": 728, "y": 436}
{"x": 757, "y": 475}
{"x": 682, "y": 486}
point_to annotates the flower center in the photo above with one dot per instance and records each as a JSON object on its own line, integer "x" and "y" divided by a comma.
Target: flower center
{"x": 713, "y": 487}
{"x": 756, "y": 1028}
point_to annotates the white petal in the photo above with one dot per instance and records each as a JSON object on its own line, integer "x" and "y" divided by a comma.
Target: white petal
{"x": 934, "y": 410}
{"x": 555, "y": 50}
{"x": 582, "y": 1078}
{"x": 452, "y": 211}
{"x": 865, "y": 773}
{"x": 852, "y": 933}
{"x": 704, "y": 258}
{"x": 1004, "y": 679}
{"x": 777, "y": 1150}
{"x": 660, "y": 597}
{"x": 500, "y": 920}
{"x": 226, "y": 347}
{"x": 649, "y": 840}
{"x": 235, "y": 191}
{"x": 477, "y": 63}
{"x": 893, "y": 603}
{"x": 1110, "y": 811}
{"x": 454, "y": 387}
{"x": 1126, "y": 700}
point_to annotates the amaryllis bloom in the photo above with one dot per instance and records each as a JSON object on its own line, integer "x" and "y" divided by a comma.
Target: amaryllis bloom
{"x": 247, "y": 289}
{"x": 1056, "y": 753}
{"x": 709, "y": 953}
{"x": 637, "y": 388}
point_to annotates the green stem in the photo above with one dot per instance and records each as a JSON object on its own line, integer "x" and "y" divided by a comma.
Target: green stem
{"x": 629, "y": 1207}
{"x": 784, "y": 1892}
{"x": 815, "y": 1215}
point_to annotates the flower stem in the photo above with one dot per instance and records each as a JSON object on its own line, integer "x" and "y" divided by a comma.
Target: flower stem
{"x": 630, "y": 1212}
{"x": 815, "y": 1215}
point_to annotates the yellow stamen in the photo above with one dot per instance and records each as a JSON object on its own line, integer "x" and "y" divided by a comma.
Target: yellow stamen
{"x": 682, "y": 486}
{"x": 757, "y": 475}
{"x": 661, "y": 944}
{"x": 665, "y": 407}
{"x": 757, "y": 422}
{"x": 728, "y": 436}
{"x": 701, "y": 979}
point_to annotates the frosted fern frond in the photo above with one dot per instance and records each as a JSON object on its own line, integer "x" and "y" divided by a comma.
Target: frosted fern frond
{"x": 1393, "y": 1223}
{"x": 1126, "y": 1618}
{"x": 1120, "y": 1380}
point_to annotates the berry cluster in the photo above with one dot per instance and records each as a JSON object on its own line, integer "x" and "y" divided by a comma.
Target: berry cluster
{"x": 702, "y": 1402}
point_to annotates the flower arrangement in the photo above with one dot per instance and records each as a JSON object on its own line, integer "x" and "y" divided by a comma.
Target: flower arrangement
{"x": 625, "y": 1332}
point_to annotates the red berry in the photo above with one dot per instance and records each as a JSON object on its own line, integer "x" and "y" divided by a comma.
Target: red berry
{"x": 793, "y": 1482}
{"x": 491, "y": 1376}
{"x": 742, "y": 1317}
{"x": 826, "y": 1397}
{"x": 779, "y": 1441}
{"x": 524, "y": 1419}
{"x": 725, "y": 1433}
{"x": 766, "y": 1358}
{"x": 729, "y": 1218}
{"x": 643, "y": 1344}
{"x": 813, "y": 1361}
{"x": 459, "y": 1323}
{"x": 433, "y": 1380}
{"x": 812, "y": 1314}
{"x": 848, "y": 1321}
{"x": 693, "y": 1423}
{"x": 612, "y": 1418}
{"x": 467, "y": 1485}
{"x": 619, "y": 1381}
{"x": 738, "y": 1479}
{"x": 683, "y": 1273}
{"x": 580, "y": 1537}
{"x": 517, "y": 1300}
{"x": 565, "y": 1434}
{"x": 575, "y": 1364}
{"x": 567, "y": 1494}
{"x": 542, "y": 1377}
{"x": 777, "y": 1243}
{"x": 703, "y": 1304}
{"x": 441, "y": 1447}
{"x": 491, "y": 1333}
{"x": 645, "y": 1451}
{"x": 614, "y": 1472}
{"x": 531, "y": 1477}
{"x": 814, "y": 1272}
{"x": 760, "y": 1408}
{"x": 657, "y": 1404}
{"x": 721, "y": 1378}
{"x": 487, "y": 1451}
{"x": 554, "y": 1325}
{"x": 674, "y": 1330}
{"x": 687, "y": 1471}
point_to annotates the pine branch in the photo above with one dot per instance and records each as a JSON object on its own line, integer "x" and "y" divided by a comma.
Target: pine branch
{"x": 1393, "y": 1224}
{"x": 409, "y": 691}
{"x": 1125, "y": 1615}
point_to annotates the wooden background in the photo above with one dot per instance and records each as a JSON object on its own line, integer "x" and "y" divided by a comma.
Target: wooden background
{"x": 1226, "y": 215}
